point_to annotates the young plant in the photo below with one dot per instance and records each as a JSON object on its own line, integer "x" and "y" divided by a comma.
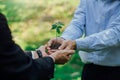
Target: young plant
{"x": 56, "y": 26}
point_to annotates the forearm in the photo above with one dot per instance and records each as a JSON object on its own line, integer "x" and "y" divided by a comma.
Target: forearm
{"x": 102, "y": 40}
{"x": 76, "y": 27}
{"x": 72, "y": 32}
{"x": 105, "y": 39}
{"x": 22, "y": 65}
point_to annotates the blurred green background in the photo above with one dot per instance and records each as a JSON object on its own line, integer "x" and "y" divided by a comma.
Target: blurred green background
{"x": 30, "y": 22}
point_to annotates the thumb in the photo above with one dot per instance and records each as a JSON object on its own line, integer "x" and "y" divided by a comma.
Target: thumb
{"x": 63, "y": 46}
{"x": 42, "y": 48}
{"x": 50, "y": 42}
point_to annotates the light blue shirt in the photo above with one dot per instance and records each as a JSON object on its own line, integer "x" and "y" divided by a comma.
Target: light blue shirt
{"x": 99, "y": 21}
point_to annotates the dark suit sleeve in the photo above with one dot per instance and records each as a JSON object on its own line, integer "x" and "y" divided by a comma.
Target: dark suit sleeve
{"x": 29, "y": 53}
{"x": 15, "y": 64}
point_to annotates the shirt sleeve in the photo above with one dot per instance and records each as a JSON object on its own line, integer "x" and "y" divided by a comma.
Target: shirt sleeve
{"x": 76, "y": 27}
{"x": 102, "y": 40}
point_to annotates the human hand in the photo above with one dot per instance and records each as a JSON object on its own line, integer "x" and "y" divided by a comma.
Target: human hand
{"x": 68, "y": 45}
{"x": 62, "y": 56}
{"x": 43, "y": 50}
{"x": 54, "y": 44}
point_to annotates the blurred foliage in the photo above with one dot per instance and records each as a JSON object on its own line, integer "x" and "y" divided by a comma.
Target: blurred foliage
{"x": 30, "y": 22}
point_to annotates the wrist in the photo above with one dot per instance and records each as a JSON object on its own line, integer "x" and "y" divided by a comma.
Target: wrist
{"x": 39, "y": 53}
{"x": 74, "y": 44}
{"x": 34, "y": 55}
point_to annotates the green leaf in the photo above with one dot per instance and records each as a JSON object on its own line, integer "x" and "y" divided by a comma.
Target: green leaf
{"x": 58, "y": 30}
{"x": 59, "y": 27}
{"x": 60, "y": 24}
{"x": 54, "y": 26}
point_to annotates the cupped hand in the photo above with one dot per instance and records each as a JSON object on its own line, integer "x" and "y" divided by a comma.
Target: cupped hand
{"x": 62, "y": 56}
{"x": 54, "y": 43}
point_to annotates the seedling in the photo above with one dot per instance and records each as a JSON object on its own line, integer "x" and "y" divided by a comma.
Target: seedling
{"x": 57, "y": 27}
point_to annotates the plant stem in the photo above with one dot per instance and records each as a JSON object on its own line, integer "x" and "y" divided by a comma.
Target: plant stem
{"x": 53, "y": 45}
{"x": 56, "y": 39}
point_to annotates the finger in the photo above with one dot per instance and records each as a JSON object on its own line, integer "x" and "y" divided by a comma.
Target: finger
{"x": 68, "y": 48}
{"x": 48, "y": 47}
{"x": 45, "y": 45}
{"x": 67, "y": 58}
{"x": 62, "y": 46}
{"x": 44, "y": 54}
{"x": 50, "y": 43}
{"x": 54, "y": 50}
{"x": 70, "y": 52}
{"x": 42, "y": 49}
{"x": 50, "y": 52}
